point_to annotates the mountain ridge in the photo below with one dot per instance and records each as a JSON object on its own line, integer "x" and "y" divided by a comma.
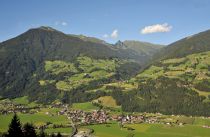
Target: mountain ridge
{"x": 196, "y": 43}
{"x": 45, "y": 65}
{"x": 25, "y": 54}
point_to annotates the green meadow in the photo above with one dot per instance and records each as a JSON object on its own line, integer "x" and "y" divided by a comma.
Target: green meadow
{"x": 38, "y": 119}
{"x": 193, "y": 69}
{"x": 113, "y": 129}
{"x": 87, "y": 106}
{"x": 150, "y": 130}
{"x": 81, "y": 72}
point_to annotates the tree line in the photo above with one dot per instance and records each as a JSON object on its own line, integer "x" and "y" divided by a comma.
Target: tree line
{"x": 16, "y": 129}
{"x": 164, "y": 95}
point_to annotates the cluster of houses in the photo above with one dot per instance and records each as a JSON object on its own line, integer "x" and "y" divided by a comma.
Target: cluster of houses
{"x": 205, "y": 126}
{"x": 94, "y": 117}
{"x": 130, "y": 119}
{"x": 102, "y": 116}
{"x": 8, "y": 107}
{"x": 82, "y": 117}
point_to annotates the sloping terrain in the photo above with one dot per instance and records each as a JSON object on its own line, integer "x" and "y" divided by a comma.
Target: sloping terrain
{"x": 193, "y": 44}
{"x": 176, "y": 82}
{"x": 143, "y": 47}
{"x": 39, "y": 62}
{"x": 171, "y": 86}
{"x": 139, "y": 48}
{"x": 47, "y": 65}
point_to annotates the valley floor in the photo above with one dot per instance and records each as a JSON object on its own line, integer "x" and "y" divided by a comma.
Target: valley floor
{"x": 103, "y": 123}
{"x": 132, "y": 130}
{"x": 113, "y": 129}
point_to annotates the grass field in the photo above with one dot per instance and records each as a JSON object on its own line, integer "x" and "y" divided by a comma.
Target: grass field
{"x": 65, "y": 131}
{"x": 193, "y": 128}
{"x": 22, "y": 100}
{"x": 36, "y": 119}
{"x": 150, "y": 130}
{"x": 113, "y": 129}
{"x": 107, "y": 101}
{"x": 87, "y": 106}
{"x": 18, "y": 101}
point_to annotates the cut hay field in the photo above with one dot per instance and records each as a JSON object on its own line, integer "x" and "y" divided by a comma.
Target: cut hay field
{"x": 107, "y": 101}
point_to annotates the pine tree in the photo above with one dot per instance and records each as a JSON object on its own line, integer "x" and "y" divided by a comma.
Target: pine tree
{"x": 29, "y": 131}
{"x": 52, "y": 135}
{"x": 15, "y": 127}
{"x": 59, "y": 134}
{"x": 42, "y": 133}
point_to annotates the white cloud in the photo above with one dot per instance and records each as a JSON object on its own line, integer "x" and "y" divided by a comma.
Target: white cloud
{"x": 113, "y": 35}
{"x": 156, "y": 28}
{"x": 62, "y": 23}
{"x": 57, "y": 23}
{"x": 105, "y": 36}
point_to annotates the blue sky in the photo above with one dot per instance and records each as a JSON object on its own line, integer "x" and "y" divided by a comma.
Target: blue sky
{"x": 110, "y": 20}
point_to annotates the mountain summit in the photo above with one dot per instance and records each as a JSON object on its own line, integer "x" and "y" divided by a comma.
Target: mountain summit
{"x": 26, "y": 54}
{"x": 47, "y": 65}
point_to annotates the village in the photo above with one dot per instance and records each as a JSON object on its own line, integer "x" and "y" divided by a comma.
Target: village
{"x": 76, "y": 118}
{"x": 82, "y": 117}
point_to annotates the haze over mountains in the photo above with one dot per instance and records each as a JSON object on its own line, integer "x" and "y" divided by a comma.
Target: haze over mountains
{"x": 46, "y": 64}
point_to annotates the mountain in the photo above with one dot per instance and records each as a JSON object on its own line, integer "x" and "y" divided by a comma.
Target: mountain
{"x": 176, "y": 82}
{"x": 138, "y": 47}
{"x": 143, "y": 47}
{"x": 90, "y": 39}
{"x": 173, "y": 86}
{"x": 45, "y": 55}
{"x": 193, "y": 44}
{"x": 47, "y": 65}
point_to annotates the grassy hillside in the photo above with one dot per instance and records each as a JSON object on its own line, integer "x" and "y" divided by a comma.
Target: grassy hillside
{"x": 44, "y": 61}
{"x": 47, "y": 65}
{"x": 107, "y": 101}
{"x": 82, "y": 72}
{"x": 193, "y": 69}
{"x": 87, "y": 106}
{"x": 80, "y": 80}
{"x": 171, "y": 86}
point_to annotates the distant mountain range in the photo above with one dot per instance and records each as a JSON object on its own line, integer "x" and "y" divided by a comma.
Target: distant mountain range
{"x": 144, "y": 48}
{"x": 46, "y": 64}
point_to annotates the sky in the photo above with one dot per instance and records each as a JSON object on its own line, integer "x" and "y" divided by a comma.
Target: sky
{"x": 155, "y": 21}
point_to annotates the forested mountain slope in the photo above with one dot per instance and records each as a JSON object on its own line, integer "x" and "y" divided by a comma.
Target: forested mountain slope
{"x": 29, "y": 58}
{"x": 47, "y": 65}
{"x": 176, "y": 81}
